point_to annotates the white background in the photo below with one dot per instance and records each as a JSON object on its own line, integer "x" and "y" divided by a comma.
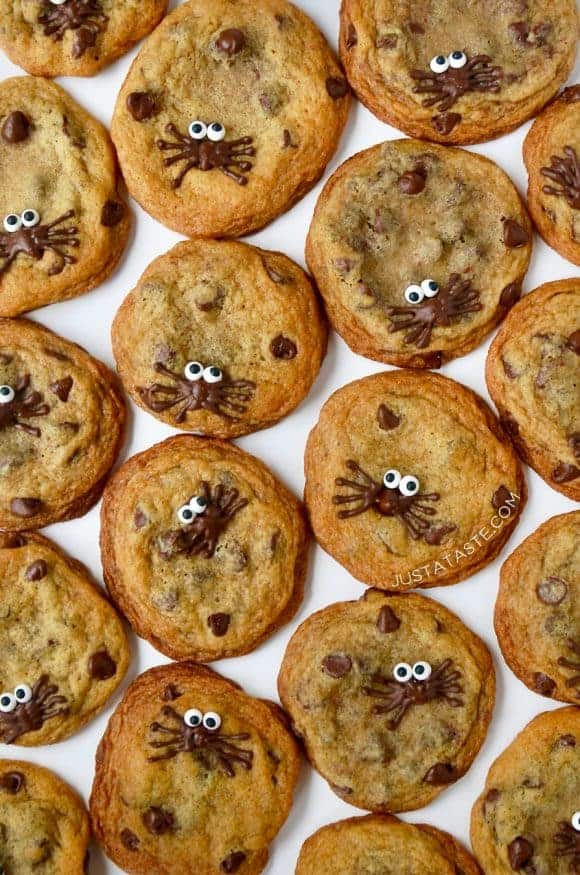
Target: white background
{"x": 87, "y": 321}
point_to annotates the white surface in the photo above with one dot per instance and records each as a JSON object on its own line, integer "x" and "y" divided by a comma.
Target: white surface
{"x": 87, "y": 321}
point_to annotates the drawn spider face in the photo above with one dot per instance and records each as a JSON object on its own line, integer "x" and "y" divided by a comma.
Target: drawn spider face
{"x": 198, "y": 388}
{"x": 565, "y": 172}
{"x": 453, "y": 75}
{"x": 19, "y": 403}
{"x": 567, "y": 841}
{"x": 573, "y": 665}
{"x": 85, "y": 17}
{"x": 431, "y": 305}
{"x": 198, "y": 733}
{"x": 24, "y": 234}
{"x": 28, "y": 708}
{"x": 204, "y": 147}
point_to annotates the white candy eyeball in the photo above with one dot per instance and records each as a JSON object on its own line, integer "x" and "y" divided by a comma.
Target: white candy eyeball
{"x": 439, "y": 64}
{"x": 392, "y": 478}
{"x": 7, "y": 394}
{"x": 12, "y": 223}
{"x": 212, "y": 721}
{"x": 7, "y": 703}
{"x": 575, "y": 821}
{"x": 193, "y": 717}
{"x": 414, "y": 294}
{"x": 57, "y": 2}
{"x": 193, "y": 371}
{"x": 402, "y": 672}
{"x": 23, "y": 694}
{"x": 216, "y": 132}
{"x": 457, "y": 60}
{"x": 422, "y": 671}
{"x": 430, "y": 288}
{"x": 198, "y": 504}
{"x": 30, "y": 218}
{"x": 213, "y": 375}
{"x": 185, "y": 514}
{"x": 409, "y": 485}
{"x": 197, "y": 130}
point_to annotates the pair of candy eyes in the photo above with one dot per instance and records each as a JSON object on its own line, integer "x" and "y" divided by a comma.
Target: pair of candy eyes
{"x": 15, "y": 221}
{"x": 187, "y": 512}
{"x": 7, "y": 394}
{"x": 194, "y": 718}
{"x": 441, "y": 63}
{"x": 403, "y": 672}
{"x": 214, "y": 132}
{"x": 415, "y": 293}
{"x": 407, "y": 485}
{"x": 195, "y": 371}
{"x": 21, "y": 695}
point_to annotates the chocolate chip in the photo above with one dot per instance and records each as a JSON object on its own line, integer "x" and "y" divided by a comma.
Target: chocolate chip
{"x": 171, "y": 693}
{"x": 287, "y": 140}
{"x": 445, "y": 122}
{"x": 491, "y": 797}
{"x": 158, "y": 820}
{"x": 283, "y": 348}
{"x": 520, "y": 852}
{"x": 573, "y": 342}
{"x": 61, "y": 388}
{"x": 412, "y": 182}
{"x": 509, "y": 370}
{"x": 25, "y": 507}
{"x": 415, "y": 27}
{"x": 16, "y": 128}
{"x": 566, "y": 741}
{"x": 233, "y": 862}
{"x": 387, "y": 418}
{"x": 140, "y": 519}
{"x": 500, "y": 497}
{"x": 387, "y": 42}
{"x": 552, "y": 591}
{"x": 112, "y": 213}
{"x": 102, "y": 666}
{"x": 514, "y": 235}
{"x": 351, "y": 37}
{"x": 432, "y": 359}
{"x": 56, "y": 354}
{"x": 12, "y": 782}
{"x": 510, "y": 295}
{"x": 387, "y": 620}
{"x": 565, "y": 473}
{"x": 36, "y": 570}
{"x": 130, "y": 840}
{"x": 345, "y": 792}
{"x": 441, "y": 773}
{"x": 574, "y": 443}
{"x": 230, "y": 42}
{"x": 84, "y": 38}
{"x": 10, "y": 541}
{"x": 275, "y": 275}
{"x": 509, "y": 425}
{"x": 337, "y": 87}
{"x": 219, "y": 624}
{"x": 141, "y": 105}
{"x": 337, "y": 665}
{"x": 5, "y": 359}
{"x": 435, "y": 534}
{"x": 544, "y": 684}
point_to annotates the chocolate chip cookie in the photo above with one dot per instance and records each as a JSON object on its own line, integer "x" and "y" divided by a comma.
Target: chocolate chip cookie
{"x": 192, "y": 775}
{"x": 45, "y": 827}
{"x": 419, "y": 251}
{"x": 73, "y": 37}
{"x": 532, "y": 372}
{"x": 552, "y": 157}
{"x": 220, "y": 338}
{"x": 457, "y": 72}
{"x": 537, "y": 613}
{"x": 229, "y": 115}
{"x": 378, "y": 843}
{"x": 392, "y": 697}
{"x": 411, "y": 481}
{"x": 527, "y": 819}
{"x": 203, "y": 550}
{"x": 61, "y": 426}
{"x": 63, "y": 222}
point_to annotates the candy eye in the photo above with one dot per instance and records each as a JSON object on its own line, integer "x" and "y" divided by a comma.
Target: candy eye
{"x": 7, "y": 703}
{"x": 57, "y": 2}
{"x": 439, "y": 64}
{"x": 409, "y": 485}
{"x": 12, "y": 223}
{"x": 212, "y": 375}
{"x": 7, "y": 394}
{"x": 30, "y": 218}
{"x": 197, "y": 130}
{"x": 392, "y": 478}
{"x": 193, "y": 371}
{"x": 212, "y": 721}
{"x": 193, "y": 717}
{"x": 575, "y": 821}
{"x": 430, "y": 288}
{"x": 198, "y": 504}
{"x": 185, "y": 514}
{"x": 403, "y": 672}
{"x": 216, "y": 132}
{"x": 457, "y": 60}
{"x": 23, "y": 693}
{"x": 414, "y": 294}
{"x": 421, "y": 671}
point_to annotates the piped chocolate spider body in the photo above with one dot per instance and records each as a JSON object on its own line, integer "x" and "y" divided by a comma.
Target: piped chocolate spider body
{"x": 19, "y": 403}
{"x": 567, "y": 842}
{"x": 455, "y": 75}
{"x": 430, "y": 306}
{"x": 25, "y": 235}
{"x": 565, "y": 172}
{"x": 28, "y": 709}
{"x": 203, "y": 520}
{"x": 572, "y": 665}
{"x": 204, "y": 147}
{"x": 85, "y": 17}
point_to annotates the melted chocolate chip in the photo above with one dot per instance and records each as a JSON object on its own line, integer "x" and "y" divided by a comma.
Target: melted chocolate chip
{"x": 274, "y": 274}
{"x": 508, "y": 369}
{"x": 337, "y": 87}
{"x": 544, "y": 684}
{"x": 387, "y": 620}
{"x": 565, "y": 473}
{"x": 16, "y": 128}
{"x": 233, "y": 862}
{"x": 552, "y": 591}
{"x": 102, "y": 666}
{"x": 387, "y": 418}
{"x": 514, "y": 235}
{"x": 158, "y": 821}
{"x": 140, "y": 519}
{"x": 219, "y": 624}
{"x": 112, "y": 213}
{"x": 566, "y": 741}
{"x": 520, "y": 852}
{"x": 351, "y": 37}
{"x": 445, "y": 122}
{"x": 25, "y": 507}
{"x": 287, "y": 141}
{"x": 412, "y": 182}
{"x": 491, "y": 797}
{"x": 12, "y": 782}
{"x": 230, "y": 42}
{"x": 440, "y": 774}
{"x": 573, "y": 342}
{"x": 141, "y": 105}
{"x": 432, "y": 359}
{"x": 337, "y": 665}
{"x": 510, "y": 295}
{"x": 56, "y": 354}
{"x": 387, "y": 42}
{"x": 61, "y": 388}
{"x": 36, "y": 570}
{"x": 500, "y": 497}
{"x": 10, "y": 541}
{"x": 171, "y": 693}
{"x": 283, "y": 348}
{"x": 130, "y": 840}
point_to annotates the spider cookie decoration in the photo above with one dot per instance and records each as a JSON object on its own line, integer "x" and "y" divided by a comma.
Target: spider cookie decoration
{"x": 19, "y": 403}
{"x": 199, "y": 734}
{"x": 202, "y": 520}
{"x": 565, "y": 173}
{"x": 85, "y": 17}
{"x": 198, "y": 388}
{"x": 204, "y": 147}
{"x": 28, "y": 708}
{"x": 431, "y": 306}
{"x": 24, "y": 234}
{"x": 567, "y": 842}
{"x": 572, "y": 665}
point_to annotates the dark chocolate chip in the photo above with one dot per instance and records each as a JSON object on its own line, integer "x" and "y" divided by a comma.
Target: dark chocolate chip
{"x": 233, "y": 862}
{"x": 565, "y": 473}
{"x": 500, "y": 497}
{"x": 141, "y": 519}
{"x": 171, "y": 693}
{"x": 61, "y": 388}
{"x": 387, "y": 620}
{"x": 112, "y": 213}
{"x": 574, "y": 443}
{"x": 508, "y": 369}
{"x": 287, "y": 140}
{"x": 231, "y": 42}
{"x": 141, "y": 105}
{"x": 56, "y": 354}
{"x": 567, "y": 741}
{"x": 544, "y": 684}
{"x": 12, "y": 782}
{"x": 337, "y": 87}
{"x": 491, "y": 797}
{"x": 274, "y": 274}
{"x": 514, "y": 235}
{"x": 387, "y": 42}
{"x": 445, "y": 122}
{"x": 219, "y": 624}
{"x": 10, "y": 541}
{"x": 387, "y": 418}
{"x": 573, "y": 342}
{"x": 432, "y": 359}
{"x": 84, "y": 38}
{"x": 412, "y": 182}
{"x": 25, "y": 507}
{"x": 337, "y": 665}
{"x": 5, "y": 359}
{"x": 351, "y": 37}
{"x": 345, "y": 792}
{"x": 16, "y": 128}
{"x": 440, "y": 774}
{"x": 552, "y": 590}
{"x": 520, "y": 852}
{"x": 102, "y": 666}
{"x": 510, "y": 295}
{"x": 130, "y": 840}
{"x": 36, "y": 570}
{"x": 73, "y": 426}
{"x": 158, "y": 820}
{"x": 283, "y": 348}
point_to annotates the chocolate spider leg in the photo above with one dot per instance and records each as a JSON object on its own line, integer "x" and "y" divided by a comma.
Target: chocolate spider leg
{"x": 181, "y": 176}
{"x": 29, "y": 429}
{"x": 244, "y": 166}
{"x": 68, "y": 215}
{"x": 415, "y": 530}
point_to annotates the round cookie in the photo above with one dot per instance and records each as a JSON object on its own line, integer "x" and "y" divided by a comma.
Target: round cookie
{"x": 392, "y": 697}
{"x": 63, "y": 222}
{"x": 203, "y": 550}
{"x": 377, "y": 844}
{"x": 419, "y": 251}
{"x": 192, "y": 775}
{"x": 45, "y": 827}
{"x": 457, "y": 72}
{"x": 532, "y": 374}
{"x": 537, "y": 613}
{"x": 220, "y": 338}
{"x": 410, "y": 480}
{"x": 552, "y": 158}
{"x": 64, "y": 648}
{"x": 527, "y": 819}
{"x": 73, "y": 37}
{"x": 61, "y": 426}
{"x": 229, "y": 115}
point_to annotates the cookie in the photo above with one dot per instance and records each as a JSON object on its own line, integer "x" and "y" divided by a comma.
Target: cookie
{"x": 61, "y": 427}
{"x": 64, "y": 224}
{"x": 457, "y": 72}
{"x": 45, "y": 827}
{"x": 229, "y": 115}
{"x": 203, "y": 550}
{"x": 367, "y": 683}
{"x": 73, "y": 37}
{"x": 537, "y": 613}
{"x": 192, "y": 775}
{"x": 64, "y": 648}
{"x": 378, "y": 843}
{"x": 532, "y": 374}
{"x": 527, "y": 818}
{"x": 220, "y": 338}
{"x": 552, "y": 158}
{"x": 419, "y": 251}
{"x": 411, "y": 481}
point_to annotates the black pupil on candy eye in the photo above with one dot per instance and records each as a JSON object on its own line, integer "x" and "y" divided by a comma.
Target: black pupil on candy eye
{"x": 20, "y": 694}
{"x": 420, "y": 670}
{"x": 457, "y": 55}
{"x": 187, "y": 514}
{"x": 5, "y": 701}
{"x": 414, "y": 296}
{"x": 441, "y": 59}
{"x": 12, "y": 220}
{"x": 433, "y": 287}
{"x": 4, "y": 391}
{"x": 197, "y": 129}
{"x": 28, "y": 215}
{"x": 401, "y": 673}
{"x": 210, "y": 723}
{"x": 215, "y": 372}
{"x": 390, "y": 478}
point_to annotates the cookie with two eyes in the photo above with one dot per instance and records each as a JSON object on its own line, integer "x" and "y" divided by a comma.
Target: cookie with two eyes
{"x": 457, "y": 72}
{"x": 220, "y": 338}
{"x": 419, "y": 251}
{"x": 527, "y": 819}
{"x": 532, "y": 372}
{"x": 537, "y": 613}
{"x": 63, "y": 222}
{"x": 203, "y": 549}
{"x": 61, "y": 426}
{"x": 411, "y": 481}
{"x": 192, "y": 775}
{"x": 229, "y": 115}
{"x": 45, "y": 826}
{"x": 366, "y": 684}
